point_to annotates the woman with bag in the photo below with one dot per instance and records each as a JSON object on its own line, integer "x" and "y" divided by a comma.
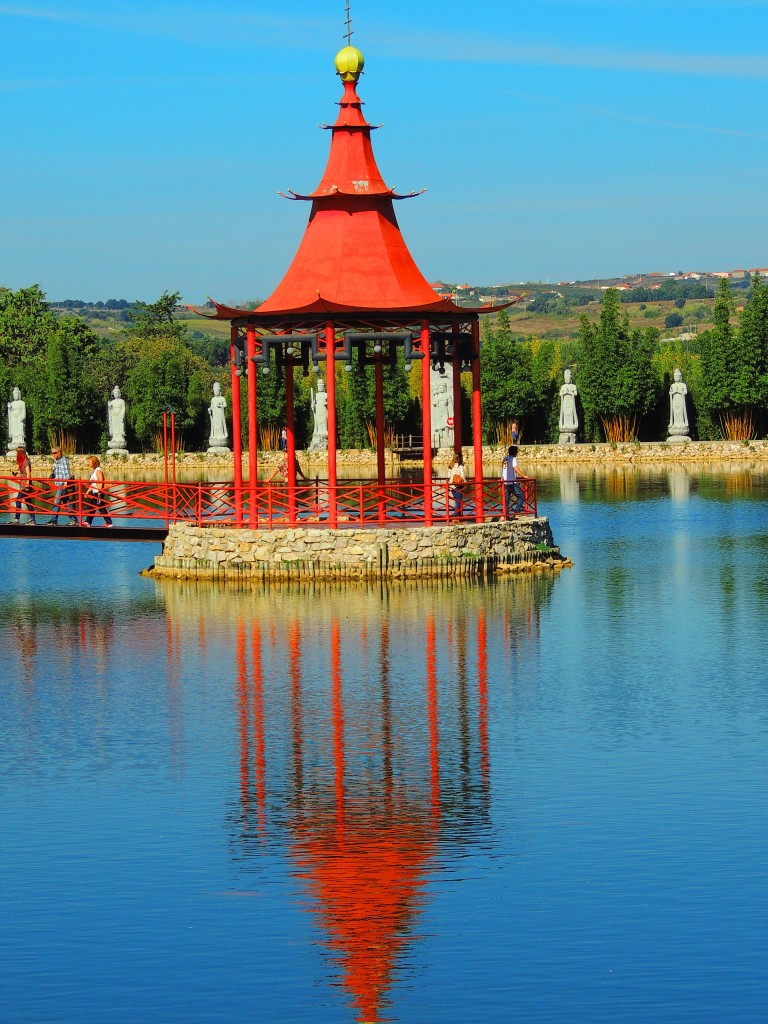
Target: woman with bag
{"x": 96, "y": 498}
{"x": 24, "y": 472}
{"x": 457, "y": 478}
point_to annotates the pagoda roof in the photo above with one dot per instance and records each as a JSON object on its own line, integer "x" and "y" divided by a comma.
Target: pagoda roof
{"x": 353, "y": 260}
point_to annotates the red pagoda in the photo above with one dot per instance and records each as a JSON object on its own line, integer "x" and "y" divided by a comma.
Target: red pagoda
{"x": 353, "y": 291}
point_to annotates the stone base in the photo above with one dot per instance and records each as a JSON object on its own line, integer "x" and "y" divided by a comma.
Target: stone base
{"x": 678, "y": 439}
{"x": 217, "y": 450}
{"x": 567, "y": 438}
{"x": 463, "y": 549}
{"x": 118, "y": 451}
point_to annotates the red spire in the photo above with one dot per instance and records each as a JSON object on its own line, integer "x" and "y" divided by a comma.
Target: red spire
{"x": 353, "y": 255}
{"x": 353, "y": 259}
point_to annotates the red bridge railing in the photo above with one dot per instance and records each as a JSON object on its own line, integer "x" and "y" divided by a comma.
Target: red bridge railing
{"x": 268, "y": 505}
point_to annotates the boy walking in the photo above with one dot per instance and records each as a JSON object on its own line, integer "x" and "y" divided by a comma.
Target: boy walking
{"x": 509, "y": 476}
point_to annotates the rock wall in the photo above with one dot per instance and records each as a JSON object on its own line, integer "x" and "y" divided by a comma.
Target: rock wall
{"x": 463, "y": 549}
{"x": 531, "y": 455}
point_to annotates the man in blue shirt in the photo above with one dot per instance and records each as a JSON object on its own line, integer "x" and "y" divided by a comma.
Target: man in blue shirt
{"x": 62, "y": 474}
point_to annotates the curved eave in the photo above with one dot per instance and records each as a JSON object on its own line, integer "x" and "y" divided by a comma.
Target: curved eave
{"x": 325, "y": 306}
{"x": 389, "y": 193}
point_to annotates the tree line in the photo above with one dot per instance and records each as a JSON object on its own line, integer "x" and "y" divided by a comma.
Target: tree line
{"x": 623, "y": 374}
{"x": 66, "y": 373}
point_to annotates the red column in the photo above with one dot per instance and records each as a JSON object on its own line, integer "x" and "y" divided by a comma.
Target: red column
{"x": 330, "y": 387}
{"x": 253, "y": 467}
{"x": 477, "y": 423}
{"x": 381, "y": 473}
{"x": 237, "y": 437}
{"x": 457, "y": 432}
{"x": 426, "y": 422}
{"x": 290, "y": 451}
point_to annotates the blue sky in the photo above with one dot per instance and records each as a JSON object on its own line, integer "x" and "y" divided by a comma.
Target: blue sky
{"x": 143, "y": 144}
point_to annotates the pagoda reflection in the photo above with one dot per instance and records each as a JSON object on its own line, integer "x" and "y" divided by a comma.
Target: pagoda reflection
{"x": 363, "y": 744}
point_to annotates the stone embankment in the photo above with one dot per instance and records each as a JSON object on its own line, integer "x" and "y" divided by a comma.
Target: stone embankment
{"x": 530, "y": 455}
{"x": 455, "y": 550}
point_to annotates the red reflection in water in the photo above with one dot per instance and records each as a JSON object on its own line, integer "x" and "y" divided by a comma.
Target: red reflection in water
{"x": 365, "y": 798}
{"x": 482, "y": 696}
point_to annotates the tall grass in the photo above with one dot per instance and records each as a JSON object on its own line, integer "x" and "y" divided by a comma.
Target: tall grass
{"x": 389, "y": 435}
{"x": 619, "y": 429}
{"x": 66, "y": 441}
{"x": 269, "y": 438}
{"x": 503, "y": 433}
{"x": 738, "y": 426}
{"x": 178, "y": 441}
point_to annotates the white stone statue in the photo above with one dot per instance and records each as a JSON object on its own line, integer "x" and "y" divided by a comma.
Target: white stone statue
{"x": 319, "y": 418}
{"x": 17, "y": 421}
{"x": 678, "y": 428}
{"x": 116, "y": 423}
{"x": 441, "y": 390}
{"x": 569, "y": 417}
{"x": 219, "y": 434}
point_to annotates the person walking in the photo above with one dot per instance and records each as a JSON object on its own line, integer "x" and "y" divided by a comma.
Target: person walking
{"x": 457, "y": 478}
{"x": 96, "y": 498}
{"x": 509, "y": 476}
{"x": 284, "y": 439}
{"x": 24, "y": 472}
{"x": 62, "y": 475}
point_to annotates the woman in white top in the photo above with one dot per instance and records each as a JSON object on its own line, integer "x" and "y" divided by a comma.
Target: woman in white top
{"x": 96, "y": 498}
{"x": 457, "y": 478}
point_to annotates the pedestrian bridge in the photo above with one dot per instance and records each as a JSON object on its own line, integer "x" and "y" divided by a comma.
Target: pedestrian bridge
{"x": 142, "y": 511}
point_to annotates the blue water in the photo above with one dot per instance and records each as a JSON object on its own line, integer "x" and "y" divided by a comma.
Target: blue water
{"x": 540, "y": 799}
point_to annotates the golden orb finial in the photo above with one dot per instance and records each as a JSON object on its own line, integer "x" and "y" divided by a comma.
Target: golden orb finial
{"x": 349, "y": 64}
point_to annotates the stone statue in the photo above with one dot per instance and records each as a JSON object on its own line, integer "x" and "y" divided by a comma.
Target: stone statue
{"x": 679, "y": 427}
{"x": 569, "y": 417}
{"x": 17, "y": 421}
{"x": 219, "y": 435}
{"x": 116, "y": 423}
{"x": 319, "y": 439}
{"x": 441, "y": 390}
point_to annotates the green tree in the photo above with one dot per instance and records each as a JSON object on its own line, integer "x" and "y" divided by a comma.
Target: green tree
{"x": 26, "y": 322}
{"x": 719, "y": 357}
{"x": 617, "y": 383}
{"x": 157, "y": 319}
{"x": 67, "y": 395}
{"x": 506, "y": 380}
{"x": 751, "y": 385}
{"x": 167, "y": 375}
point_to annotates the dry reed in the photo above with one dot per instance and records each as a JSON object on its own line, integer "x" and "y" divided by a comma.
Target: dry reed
{"x": 67, "y": 442}
{"x": 504, "y": 433}
{"x": 738, "y": 426}
{"x": 619, "y": 429}
{"x": 389, "y": 435}
{"x": 269, "y": 437}
{"x": 178, "y": 441}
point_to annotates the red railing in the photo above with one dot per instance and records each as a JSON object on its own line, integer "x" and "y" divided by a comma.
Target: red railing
{"x": 268, "y": 505}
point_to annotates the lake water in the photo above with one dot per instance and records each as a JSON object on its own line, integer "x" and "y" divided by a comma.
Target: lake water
{"x": 541, "y": 799}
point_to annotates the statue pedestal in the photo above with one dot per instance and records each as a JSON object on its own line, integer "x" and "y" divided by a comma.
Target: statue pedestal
{"x": 218, "y": 449}
{"x": 567, "y": 438}
{"x": 678, "y": 438}
{"x": 117, "y": 451}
